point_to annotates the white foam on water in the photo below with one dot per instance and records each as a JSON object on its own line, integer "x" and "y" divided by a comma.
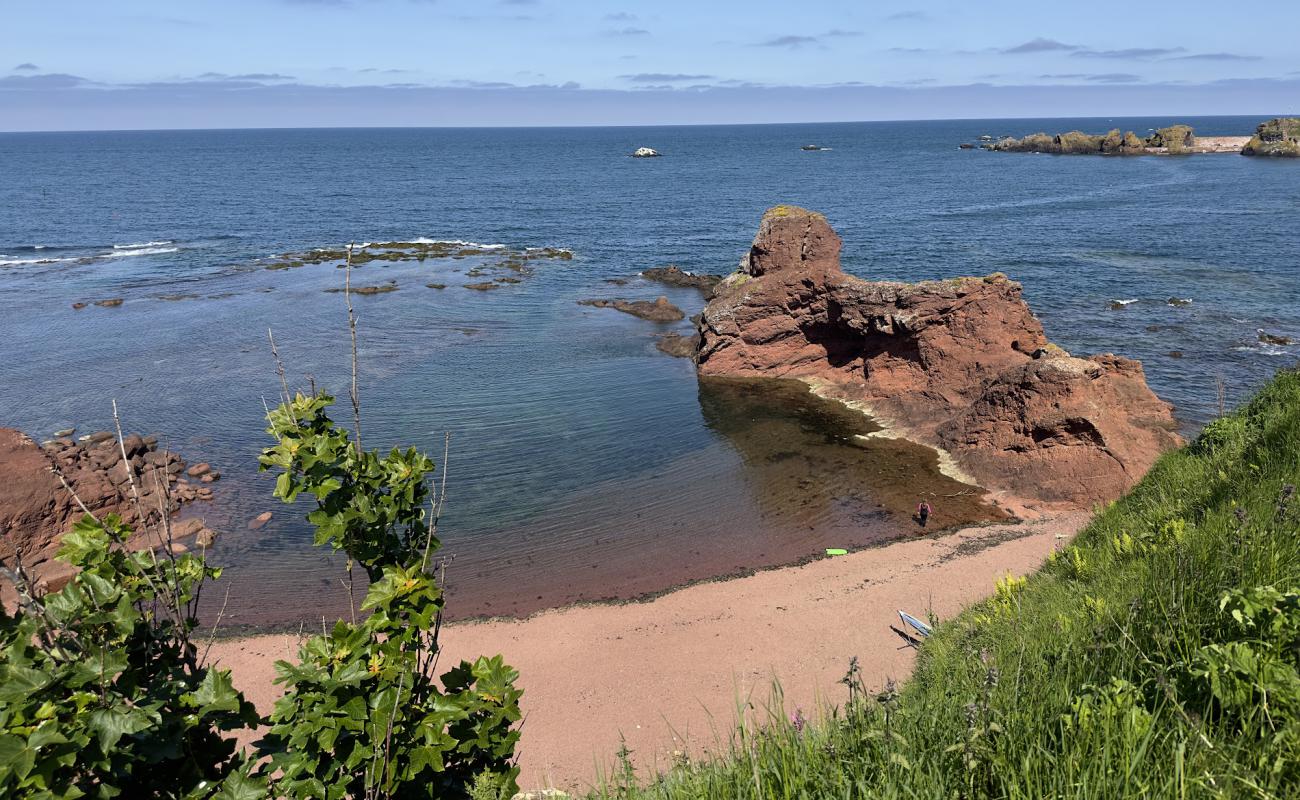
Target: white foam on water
{"x": 1125, "y": 302}
{"x": 143, "y": 251}
{"x": 15, "y": 262}
{"x": 141, "y": 245}
{"x": 458, "y": 243}
{"x": 1264, "y": 349}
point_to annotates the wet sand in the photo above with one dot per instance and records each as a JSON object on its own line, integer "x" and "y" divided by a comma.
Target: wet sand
{"x": 666, "y": 674}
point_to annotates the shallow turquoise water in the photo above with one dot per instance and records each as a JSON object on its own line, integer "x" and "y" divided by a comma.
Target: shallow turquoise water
{"x": 584, "y": 463}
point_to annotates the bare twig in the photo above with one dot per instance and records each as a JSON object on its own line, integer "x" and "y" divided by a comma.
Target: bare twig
{"x": 279, "y": 368}
{"x": 435, "y": 507}
{"x": 352, "y": 329}
{"x": 126, "y": 465}
{"x": 212, "y": 637}
{"x": 59, "y": 474}
{"x": 352, "y": 597}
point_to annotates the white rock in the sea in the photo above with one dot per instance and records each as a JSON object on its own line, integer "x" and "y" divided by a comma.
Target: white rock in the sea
{"x": 646, "y": 152}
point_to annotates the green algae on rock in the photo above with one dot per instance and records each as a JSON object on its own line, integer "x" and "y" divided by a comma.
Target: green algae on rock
{"x": 1279, "y": 138}
{"x": 1171, "y": 140}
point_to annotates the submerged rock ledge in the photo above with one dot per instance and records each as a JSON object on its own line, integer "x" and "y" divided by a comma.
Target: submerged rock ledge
{"x": 961, "y": 365}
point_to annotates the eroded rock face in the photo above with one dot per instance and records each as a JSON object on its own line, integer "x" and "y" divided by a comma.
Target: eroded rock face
{"x": 36, "y": 510}
{"x": 959, "y": 364}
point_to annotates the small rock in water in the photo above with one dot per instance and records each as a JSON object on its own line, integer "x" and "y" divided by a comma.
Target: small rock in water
{"x": 1179, "y": 301}
{"x": 646, "y": 152}
{"x": 78, "y": 306}
{"x": 205, "y": 538}
{"x": 187, "y": 528}
{"x": 179, "y": 548}
{"x": 63, "y": 434}
{"x": 199, "y": 470}
{"x": 261, "y": 519}
{"x": 112, "y": 302}
{"x": 1272, "y": 338}
{"x": 436, "y": 285}
{"x": 675, "y": 276}
{"x": 677, "y": 345}
{"x": 1175, "y": 354}
{"x": 660, "y": 310}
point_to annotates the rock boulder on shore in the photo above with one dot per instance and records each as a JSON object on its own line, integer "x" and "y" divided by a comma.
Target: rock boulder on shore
{"x": 36, "y": 510}
{"x": 962, "y": 365}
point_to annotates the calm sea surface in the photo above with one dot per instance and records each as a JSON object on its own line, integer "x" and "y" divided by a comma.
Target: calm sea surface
{"x": 584, "y": 463}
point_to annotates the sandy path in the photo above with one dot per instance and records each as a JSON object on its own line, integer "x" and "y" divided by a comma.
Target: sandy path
{"x": 676, "y": 665}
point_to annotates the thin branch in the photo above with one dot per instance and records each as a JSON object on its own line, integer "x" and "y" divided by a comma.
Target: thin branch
{"x": 59, "y": 474}
{"x": 212, "y": 637}
{"x": 435, "y": 508}
{"x": 126, "y": 465}
{"x": 352, "y": 329}
{"x": 279, "y": 368}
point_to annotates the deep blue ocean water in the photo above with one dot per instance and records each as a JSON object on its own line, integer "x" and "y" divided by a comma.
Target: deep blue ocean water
{"x": 584, "y": 463}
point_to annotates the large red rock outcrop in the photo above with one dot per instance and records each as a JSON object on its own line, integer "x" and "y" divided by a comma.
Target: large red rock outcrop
{"x": 960, "y": 364}
{"x": 36, "y": 510}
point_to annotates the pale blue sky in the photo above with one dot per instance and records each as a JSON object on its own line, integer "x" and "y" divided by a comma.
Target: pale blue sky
{"x": 250, "y": 63}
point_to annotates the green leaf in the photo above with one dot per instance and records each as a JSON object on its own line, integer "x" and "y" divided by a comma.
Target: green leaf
{"x": 111, "y": 724}
{"x": 239, "y": 786}
{"x": 217, "y": 693}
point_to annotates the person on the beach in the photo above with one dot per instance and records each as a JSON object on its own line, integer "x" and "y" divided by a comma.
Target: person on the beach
{"x": 923, "y": 512}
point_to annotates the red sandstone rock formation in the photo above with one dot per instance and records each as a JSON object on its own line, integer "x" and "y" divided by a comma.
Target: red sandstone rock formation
{"x": 36, "y": 510}
{"x": 959, "y": 364}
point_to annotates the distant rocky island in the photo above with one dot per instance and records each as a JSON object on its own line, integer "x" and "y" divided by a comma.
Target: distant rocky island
{"x": 1276, "y": 137}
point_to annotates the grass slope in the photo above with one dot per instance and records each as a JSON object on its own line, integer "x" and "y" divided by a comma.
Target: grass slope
{"x": 1156, "y": 656}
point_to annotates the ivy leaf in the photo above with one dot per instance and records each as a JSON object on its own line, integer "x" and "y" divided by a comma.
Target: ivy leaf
{"x": 111, "y": 724}
{"x": 242, "y": 787}
{"x": 216, "y": 693}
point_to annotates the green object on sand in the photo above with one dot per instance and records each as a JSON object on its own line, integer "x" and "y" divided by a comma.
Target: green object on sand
{"x": 836, "y": 551}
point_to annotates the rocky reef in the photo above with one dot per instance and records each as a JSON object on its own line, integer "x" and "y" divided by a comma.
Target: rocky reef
{"x": 1172, "y": 140}
{"x": 658, "y": 310}
{"x": 36, "y": 509}
{"x": 672, "y": 275}
{"x": 1277, "y": 137}
{"x": 961, "y": 365}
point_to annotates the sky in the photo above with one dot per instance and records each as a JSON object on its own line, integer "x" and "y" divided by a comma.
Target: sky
{"x": 133, "y": 64}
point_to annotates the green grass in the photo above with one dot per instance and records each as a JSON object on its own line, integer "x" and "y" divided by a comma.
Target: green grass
{"x": 1156, "y": 656}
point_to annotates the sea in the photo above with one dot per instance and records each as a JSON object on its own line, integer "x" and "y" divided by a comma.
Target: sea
{"x": 582, "y": 464}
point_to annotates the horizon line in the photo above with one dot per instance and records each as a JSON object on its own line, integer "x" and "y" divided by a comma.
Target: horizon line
{"x": 203, "y": 129}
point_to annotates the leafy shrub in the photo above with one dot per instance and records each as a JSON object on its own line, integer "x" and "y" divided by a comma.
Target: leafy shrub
{"x": 364, "y": 714}
{"x": 103, "y": 693}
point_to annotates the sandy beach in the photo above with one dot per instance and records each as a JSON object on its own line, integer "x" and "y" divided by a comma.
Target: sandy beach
{"x": 666, "y": 674}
